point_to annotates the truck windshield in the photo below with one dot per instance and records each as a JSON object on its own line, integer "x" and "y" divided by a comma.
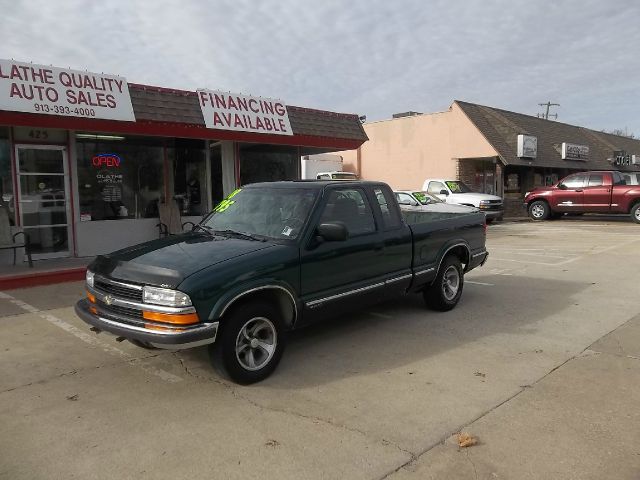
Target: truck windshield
{"x": 278, "y": 213}
{"x": 457, "y": 187}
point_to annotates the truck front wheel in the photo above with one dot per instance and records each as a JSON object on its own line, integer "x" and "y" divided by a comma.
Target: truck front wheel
{"x": 635, "y": 213}
{"x": 539, "y": 210}
{"x": 250, "y": 344}
{"x": 446, "y": 290}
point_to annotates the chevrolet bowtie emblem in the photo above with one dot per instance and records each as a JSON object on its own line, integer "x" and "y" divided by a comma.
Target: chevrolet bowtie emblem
{"x": 108, "y": 299}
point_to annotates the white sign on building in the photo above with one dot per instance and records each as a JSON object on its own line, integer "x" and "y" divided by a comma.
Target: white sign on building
{"x": 26, "y": 87}
{"x": 527, "y": 146}
{"x": 244, "y": 113}
{"x": 571, "y": 151}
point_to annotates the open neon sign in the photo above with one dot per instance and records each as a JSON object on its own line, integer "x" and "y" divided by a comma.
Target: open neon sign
{"x": 106, "y": 160}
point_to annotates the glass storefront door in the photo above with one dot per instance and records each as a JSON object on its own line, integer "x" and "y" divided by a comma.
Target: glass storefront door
{"x": 43, "y": 198}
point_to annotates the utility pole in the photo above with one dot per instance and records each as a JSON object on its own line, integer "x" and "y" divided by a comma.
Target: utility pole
{"x": 546, "y": 115}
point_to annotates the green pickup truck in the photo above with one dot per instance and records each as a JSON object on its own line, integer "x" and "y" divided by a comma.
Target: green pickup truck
{"x": 274, "y": 257}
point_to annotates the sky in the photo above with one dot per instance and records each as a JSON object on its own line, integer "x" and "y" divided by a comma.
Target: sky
{"x": 373, "y": 58}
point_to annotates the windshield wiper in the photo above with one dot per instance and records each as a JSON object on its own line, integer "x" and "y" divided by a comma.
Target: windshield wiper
{"x": 246, "y": 236}
{"x": 205, "y": 228}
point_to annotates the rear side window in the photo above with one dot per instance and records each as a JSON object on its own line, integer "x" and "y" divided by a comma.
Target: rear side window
{"x": 575, "y": 181}
{"x": 436, "y": 187}
{"x": 349, "y": 206}
{"x": 618, "y": 179}
{"x": 596, "y": 180}
{"x": 390, "y": 217}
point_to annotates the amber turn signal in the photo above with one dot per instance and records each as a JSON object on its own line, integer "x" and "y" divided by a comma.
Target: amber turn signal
{"x": 150, "y": 326}
{"x": 176, "y": 319}
{"x": 91, "y": 297}
{"x": 93, "y": 310}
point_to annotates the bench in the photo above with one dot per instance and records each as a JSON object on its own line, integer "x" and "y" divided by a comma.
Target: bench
{"x": 8, "y": 241}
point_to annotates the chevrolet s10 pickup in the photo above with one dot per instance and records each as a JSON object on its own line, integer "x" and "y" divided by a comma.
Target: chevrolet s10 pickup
{"x": 273, "y": 257}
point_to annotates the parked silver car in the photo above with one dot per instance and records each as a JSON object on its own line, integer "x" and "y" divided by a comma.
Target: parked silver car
{"x": 419, "y": 200}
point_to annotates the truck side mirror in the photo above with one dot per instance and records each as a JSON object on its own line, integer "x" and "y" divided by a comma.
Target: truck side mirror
{"x": 562, "y": 186}
{"x": 444, "y": 192}
{"x": 333, "y": 232}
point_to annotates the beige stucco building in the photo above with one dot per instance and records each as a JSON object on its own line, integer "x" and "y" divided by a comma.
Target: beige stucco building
{"x": 405, "y": 151}
{"x": 479, "y": 145}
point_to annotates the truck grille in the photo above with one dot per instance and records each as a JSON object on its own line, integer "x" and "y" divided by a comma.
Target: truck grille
{"x": 118, "y": 290}
{"x": 119, "y": 311}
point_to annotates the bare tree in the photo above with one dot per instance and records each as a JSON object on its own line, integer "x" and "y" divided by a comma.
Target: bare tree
{"x": 620, "y": 132}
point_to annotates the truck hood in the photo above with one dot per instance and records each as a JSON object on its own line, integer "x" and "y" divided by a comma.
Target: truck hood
{"x": 539, "y": 190}
{"x": 179, "y": 257}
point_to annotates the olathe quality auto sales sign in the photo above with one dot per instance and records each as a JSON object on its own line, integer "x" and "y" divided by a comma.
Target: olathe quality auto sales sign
{"x": 243, "y": 113}
{"x": 25, "y": 87}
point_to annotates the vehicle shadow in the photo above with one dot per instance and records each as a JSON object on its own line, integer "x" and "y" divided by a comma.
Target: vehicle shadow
{"x": 597, "y": 217}
{"x": 401, "y": 332}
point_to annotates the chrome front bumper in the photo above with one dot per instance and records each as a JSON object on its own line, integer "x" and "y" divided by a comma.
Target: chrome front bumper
{"x": 134, "y": 329}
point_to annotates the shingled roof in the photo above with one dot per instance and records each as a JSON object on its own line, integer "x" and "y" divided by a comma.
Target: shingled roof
{"x": 502, "y": 127}
{"x": 177, "y": 106}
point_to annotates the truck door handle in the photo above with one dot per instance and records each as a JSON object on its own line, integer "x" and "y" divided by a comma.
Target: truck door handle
{"x": 578, "y": 190}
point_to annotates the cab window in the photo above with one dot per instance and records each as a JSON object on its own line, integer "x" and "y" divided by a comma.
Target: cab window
{"x": 436, "y": 187}
{"x": 574, "y": 181}
{"x": 596, "y": 180}
{"x": 390, "y": 217}
{"x": 349, "y": 206}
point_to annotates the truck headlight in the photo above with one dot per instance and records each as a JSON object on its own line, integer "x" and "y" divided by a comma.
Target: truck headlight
{"x": 165, "y": 296}
{"x": 89, "y": 278}
{"x": 485, "y": 202}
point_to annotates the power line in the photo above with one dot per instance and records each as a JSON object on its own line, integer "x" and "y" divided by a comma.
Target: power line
{"x": 546, "y": 115}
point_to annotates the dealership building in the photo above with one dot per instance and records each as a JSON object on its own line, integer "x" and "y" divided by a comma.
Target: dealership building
{"x": 87, "y": 161}
{"x": 493, "y": 151}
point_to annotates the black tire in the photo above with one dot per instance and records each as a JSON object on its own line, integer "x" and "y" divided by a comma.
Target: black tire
{"x": 489, "y": 220}
{"x": 233, "y": 351}
{"x": 440, "y": 295}
{"x": 635, "y": 213}
{"x": 539, "y": 210}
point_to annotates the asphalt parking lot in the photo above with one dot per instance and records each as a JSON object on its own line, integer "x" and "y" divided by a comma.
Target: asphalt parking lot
{"x": 541, "y": 361}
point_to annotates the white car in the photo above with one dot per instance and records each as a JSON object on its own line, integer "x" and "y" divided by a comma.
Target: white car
{"x": 457, "y": 192}
{"x": 423, "y": 201}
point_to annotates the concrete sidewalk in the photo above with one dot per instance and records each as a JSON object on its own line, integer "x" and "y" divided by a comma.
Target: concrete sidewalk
{"x": 578, "y": 422}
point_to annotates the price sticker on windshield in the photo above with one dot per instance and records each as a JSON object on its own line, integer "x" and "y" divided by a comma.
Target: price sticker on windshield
{"x": 227, "y": 202}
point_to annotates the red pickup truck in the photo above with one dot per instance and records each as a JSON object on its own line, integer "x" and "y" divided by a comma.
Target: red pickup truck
{"x": 585, "y": 192}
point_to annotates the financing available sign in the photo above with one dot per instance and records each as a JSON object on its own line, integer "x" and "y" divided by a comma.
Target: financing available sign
{"x": 244, "y": 113}
{"x": 26, "y": 87}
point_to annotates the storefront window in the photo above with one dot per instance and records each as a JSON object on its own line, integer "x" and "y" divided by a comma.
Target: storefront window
{"x": 119, "y": 177}
{"x": 268, "y": 163}
{"x": 189, "y": 175}
{"x": 6, "y": 178}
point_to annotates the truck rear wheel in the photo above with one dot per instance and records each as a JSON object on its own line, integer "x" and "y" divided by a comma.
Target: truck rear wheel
{"x": 539, "y": 210}
{"x": 635, "y": 213}
{"x": 446, "y": 290}
{"x": 250, "y": 345}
